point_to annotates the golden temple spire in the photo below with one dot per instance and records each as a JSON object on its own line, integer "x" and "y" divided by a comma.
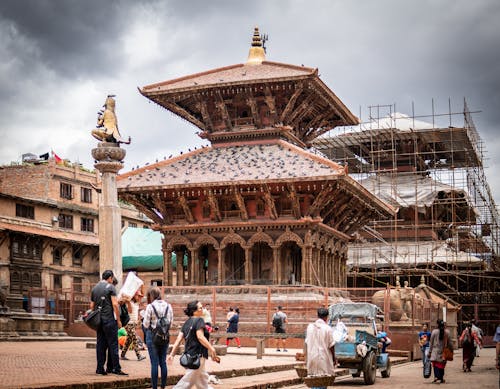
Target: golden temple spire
{"x": 256, "y": 54}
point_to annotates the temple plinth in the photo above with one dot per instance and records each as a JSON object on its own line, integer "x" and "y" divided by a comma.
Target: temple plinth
{"x": 109, "y": 157}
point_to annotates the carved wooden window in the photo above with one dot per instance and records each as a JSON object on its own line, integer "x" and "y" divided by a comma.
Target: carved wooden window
{"x": 133, "y": 225}
{"x": 77, "y": 284}
{"x": 57, "y": 281}
{"x": 285, "y": 206}
{"x": 261, "y": 207}
{"x": 66, "y": 191}
{"x": 206, "y": 211}
{"x": 86, "y": 195}
{"x": 87, "y": 224}
{"x": 15, "y": 282}
{"x": 26, "y": 247}
{"x": 25, "y": 211}
{"x": 77, "y": 255}
{"x": 57, "y": 256}
{"x": 65, "y": 221}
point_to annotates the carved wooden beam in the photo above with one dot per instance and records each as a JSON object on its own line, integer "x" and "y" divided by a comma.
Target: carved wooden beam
{"x": 185, "y": 207}
{"x": 347, "y": 215}
{"x": 221, "y": 106}
{"x": 214, "y": 206}
{"x": 333, "y": 211}
{"x": 241, "y": 204}
{"x": 301, "y": 109}
{"x": 271, "y": 104}
{"x": 313, "y": 124}
{"x": 144, "y": 206}
{"x": 319, "y": 202}
{"x": 252, "y": 103}
{"x": 203, "y": 107}
{"x": 183, "y": 113}
{"x": 162, "y": 208}
{"x": 291, "y": 103}
{"x": 294, "y": 198}
{"x": 268, "y": 198}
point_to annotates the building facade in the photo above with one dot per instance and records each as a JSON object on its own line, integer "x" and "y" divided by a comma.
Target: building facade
{"x": 49, "y": 226}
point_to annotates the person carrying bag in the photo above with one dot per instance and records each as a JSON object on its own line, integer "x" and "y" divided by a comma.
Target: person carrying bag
{"x": 197, "y": 348}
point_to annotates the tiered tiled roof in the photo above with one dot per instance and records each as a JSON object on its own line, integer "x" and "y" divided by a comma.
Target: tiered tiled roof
{"x": 257, "y": 162}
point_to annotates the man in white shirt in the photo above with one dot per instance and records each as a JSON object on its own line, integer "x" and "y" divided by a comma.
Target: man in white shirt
{"x": 320, "y": 347}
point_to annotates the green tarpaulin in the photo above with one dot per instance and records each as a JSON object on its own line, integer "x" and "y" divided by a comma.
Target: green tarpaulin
{"x": 141, "y": 249}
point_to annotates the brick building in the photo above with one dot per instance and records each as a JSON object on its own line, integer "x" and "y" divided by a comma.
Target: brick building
{"x": 49, "y": 226}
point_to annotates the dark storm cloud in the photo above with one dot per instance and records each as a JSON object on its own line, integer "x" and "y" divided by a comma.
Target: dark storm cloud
{"x": 368, "y": 52}
{"x": 73, "y": 38}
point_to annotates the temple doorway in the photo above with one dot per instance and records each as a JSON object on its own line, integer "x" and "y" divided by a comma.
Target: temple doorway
{"x": 234, "y": 262}
{"x": 262, "y": 264}
{"x": 207, "y": 265}
{"x": 291, "y": 260}
{"x": 181, "y": 273}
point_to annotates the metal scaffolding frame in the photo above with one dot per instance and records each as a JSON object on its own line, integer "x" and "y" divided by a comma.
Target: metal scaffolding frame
{"x": 455, "y": 241}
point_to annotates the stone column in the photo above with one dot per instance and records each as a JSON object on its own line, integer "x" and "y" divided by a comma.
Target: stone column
{"x": 109, "y": 157}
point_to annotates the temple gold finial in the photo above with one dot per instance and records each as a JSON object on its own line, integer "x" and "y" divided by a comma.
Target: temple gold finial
{"x": 256, "y": 54}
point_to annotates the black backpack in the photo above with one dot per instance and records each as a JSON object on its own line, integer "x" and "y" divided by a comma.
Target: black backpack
{"x": 277, "y": 321}
{"x": 160, "y": 333}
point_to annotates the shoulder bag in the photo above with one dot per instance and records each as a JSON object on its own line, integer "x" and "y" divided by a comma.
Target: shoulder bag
{"x": 447, "y": 352}
{"x": 187, "y": 360}
{"x": 93, "y": 318}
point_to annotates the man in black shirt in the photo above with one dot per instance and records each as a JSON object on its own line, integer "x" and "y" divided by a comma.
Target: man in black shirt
{"x": 104, "y": 295}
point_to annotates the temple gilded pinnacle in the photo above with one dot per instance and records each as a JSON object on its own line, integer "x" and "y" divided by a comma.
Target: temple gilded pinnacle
{"x": 256, "y": 54}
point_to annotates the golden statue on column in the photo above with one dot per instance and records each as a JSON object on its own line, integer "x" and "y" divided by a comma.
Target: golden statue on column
{"x": 107, "y": 124}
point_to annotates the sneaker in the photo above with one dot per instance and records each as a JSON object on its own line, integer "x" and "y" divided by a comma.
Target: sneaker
{"x": 141, "y": 357}
{"x": 285, "y": 350}
{"x": 124, "y": 358}
{"x": 278, "y": 349}
{"x": 101, "y": 372}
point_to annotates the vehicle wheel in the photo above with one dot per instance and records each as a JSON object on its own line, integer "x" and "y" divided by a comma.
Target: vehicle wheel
{"x": 370, "y": 368}
{"x": 357, "y": 374}
{"x": 387, "y": 372}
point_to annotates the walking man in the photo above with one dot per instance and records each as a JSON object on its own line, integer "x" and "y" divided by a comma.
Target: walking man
{"x": 279, "y": 323}
{"x": 104, "y": 296}
{"x": 320, "y": 347}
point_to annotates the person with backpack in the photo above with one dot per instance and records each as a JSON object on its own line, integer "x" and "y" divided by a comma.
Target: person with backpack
{"x": 468, "y": 340}
{"x": 279, "y": 323}
{"x": 157, "y": 319}
{"x": 196, "y": 337}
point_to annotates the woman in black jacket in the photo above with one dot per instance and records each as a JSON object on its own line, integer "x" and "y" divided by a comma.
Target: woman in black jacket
{"x": 196, "y": 343}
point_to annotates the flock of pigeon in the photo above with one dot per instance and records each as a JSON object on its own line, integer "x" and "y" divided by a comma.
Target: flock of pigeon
{"x": 230, "y": 164}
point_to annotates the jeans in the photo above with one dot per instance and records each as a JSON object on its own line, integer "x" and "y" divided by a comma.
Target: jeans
{"x": 107, "y": 343}
{"x": 157, "y": 357}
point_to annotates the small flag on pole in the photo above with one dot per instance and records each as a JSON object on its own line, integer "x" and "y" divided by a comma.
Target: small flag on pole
{"x": 56, "y": 157}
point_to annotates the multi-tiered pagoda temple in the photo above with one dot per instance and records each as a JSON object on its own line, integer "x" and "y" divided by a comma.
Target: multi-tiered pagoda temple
{"x": 255, "y": 206}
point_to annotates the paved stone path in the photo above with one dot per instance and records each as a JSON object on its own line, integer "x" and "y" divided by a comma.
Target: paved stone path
{"x": 58, "y": 363}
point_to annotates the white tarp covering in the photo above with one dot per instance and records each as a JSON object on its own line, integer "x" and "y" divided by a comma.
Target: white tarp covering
{"x": 408, "y": 254}
{"x": 338, "y": 311}
{"x": 407, "y": 190}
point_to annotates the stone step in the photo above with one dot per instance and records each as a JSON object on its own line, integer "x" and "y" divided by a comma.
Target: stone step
{"x": 259, "y": 381}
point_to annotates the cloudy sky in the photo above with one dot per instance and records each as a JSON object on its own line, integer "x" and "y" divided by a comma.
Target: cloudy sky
{"x": 60, "y": 58}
